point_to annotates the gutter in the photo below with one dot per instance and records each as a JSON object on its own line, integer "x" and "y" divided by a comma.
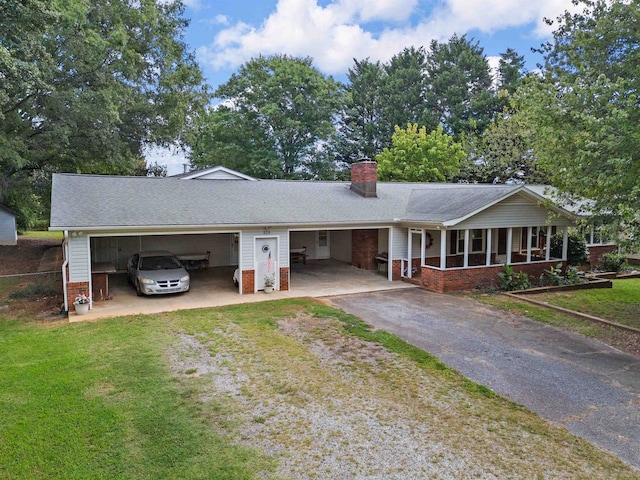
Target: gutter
{"x": 64, "y": 270}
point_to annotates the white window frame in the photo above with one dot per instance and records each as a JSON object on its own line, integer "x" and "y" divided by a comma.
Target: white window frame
{"x": 460, "y": 244}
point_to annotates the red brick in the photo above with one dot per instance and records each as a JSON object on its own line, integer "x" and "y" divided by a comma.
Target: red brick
{"x": 73, "y": 290}
{"x": 596, "y": 252}
{"x": 248, "y": 281}
{"x": 364, "y": 177}
{"x": 364, "y": 247}
{"x": 284, "y": 278}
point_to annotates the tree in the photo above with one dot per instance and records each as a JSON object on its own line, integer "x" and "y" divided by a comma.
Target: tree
{"x": 420, "y": 157}
{"x": 279, "y": 109}
{"x": 504, "y": 153}
{"x": 362, "y": 133}
{"x": 404, "y": 91}
{"x": 85, "y": 86}
{"x": 459, "y": 87}
{"x": 585, "y": 109}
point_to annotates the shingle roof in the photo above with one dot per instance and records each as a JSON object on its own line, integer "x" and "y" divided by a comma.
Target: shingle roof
{"x": 93, "y": 201}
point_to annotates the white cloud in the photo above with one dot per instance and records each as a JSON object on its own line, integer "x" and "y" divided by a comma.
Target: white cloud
{"x": 335, "y": 34}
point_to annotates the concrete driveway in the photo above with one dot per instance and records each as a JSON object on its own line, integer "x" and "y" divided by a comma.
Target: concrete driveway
{"x": 590, "y": 388}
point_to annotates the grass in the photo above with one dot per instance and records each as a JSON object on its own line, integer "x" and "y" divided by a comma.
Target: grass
{"x": 40, "y": 234}
{"x": 104, "y": 399}
{"x": 620, "y": 304}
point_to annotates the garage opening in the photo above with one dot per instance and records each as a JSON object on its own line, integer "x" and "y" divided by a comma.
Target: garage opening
{"x": 210, "y": 258}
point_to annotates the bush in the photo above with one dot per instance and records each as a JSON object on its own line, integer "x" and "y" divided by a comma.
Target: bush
{"x": 613, "y": 262}
{"x": 576, "y": 252}
{"x": 554, "y": 278}
{"x": 509, "y": 280}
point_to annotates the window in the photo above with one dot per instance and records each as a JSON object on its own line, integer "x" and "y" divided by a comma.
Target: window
{"x": 476, "y": 240}
{"x": 534, "y": 238}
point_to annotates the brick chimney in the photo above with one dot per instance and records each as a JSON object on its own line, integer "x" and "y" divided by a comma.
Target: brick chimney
{"x": 364, "y": 176}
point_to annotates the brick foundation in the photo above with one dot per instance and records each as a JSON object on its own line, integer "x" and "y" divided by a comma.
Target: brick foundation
{"x": 396, "y": 267}
{"x": 364, "y": 247}
{"x": 596, "y": 252}
{"x": 248, "y": 281}
{"x": 284, "y": 278}
{"x": 470, "y": 278}
{"x": 73, "y": 290}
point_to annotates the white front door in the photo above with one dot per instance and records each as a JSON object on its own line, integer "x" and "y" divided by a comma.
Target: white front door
{"x": 322, "y": 244}
{"x": 266, "y": 259}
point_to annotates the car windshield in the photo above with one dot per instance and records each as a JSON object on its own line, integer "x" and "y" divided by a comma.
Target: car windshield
{"x": 163, "y": 262}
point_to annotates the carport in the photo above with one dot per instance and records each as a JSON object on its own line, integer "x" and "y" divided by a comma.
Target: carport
{"x": 214, "y": 287}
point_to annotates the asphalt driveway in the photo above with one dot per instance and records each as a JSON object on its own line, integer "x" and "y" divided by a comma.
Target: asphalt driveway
{"x": 590, "y": 388}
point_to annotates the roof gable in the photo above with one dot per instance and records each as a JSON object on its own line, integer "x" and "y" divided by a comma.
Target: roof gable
{"x": 215, "y": 173}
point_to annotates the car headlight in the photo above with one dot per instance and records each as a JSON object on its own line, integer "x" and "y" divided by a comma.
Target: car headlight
{"x": 185, "y": 279}
{"x": 147, "y": 281}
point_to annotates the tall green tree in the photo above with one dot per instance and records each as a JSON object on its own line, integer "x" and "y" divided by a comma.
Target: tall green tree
{"x": 87, "y": 86}
{"x": 418, "y": 156}
{"x": 460, "y": 93}
{"x": 404, "y": 90}
{"x": 280, "y": 109}
{"x": 585, "y": 109}
{"x": 362, "y": 129}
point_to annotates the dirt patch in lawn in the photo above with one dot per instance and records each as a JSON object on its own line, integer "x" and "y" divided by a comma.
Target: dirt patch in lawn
{"x": 330, "y": 405}
{"x": 25, "y": 256}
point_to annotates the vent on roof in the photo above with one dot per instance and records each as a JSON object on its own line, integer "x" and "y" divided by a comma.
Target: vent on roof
{"x": 364, "y": 177}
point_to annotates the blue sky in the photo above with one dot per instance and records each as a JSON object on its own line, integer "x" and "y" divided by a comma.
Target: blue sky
{"x": 226, "y": 33}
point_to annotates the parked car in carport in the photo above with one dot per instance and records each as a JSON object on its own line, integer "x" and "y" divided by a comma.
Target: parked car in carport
{"x": 157, "y": 273}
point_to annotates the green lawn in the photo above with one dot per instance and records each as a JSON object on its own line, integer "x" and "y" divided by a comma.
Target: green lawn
{"x": 620, "y": 304}
{"x": 102, "y": 399}
{"x": 41, "y": 234}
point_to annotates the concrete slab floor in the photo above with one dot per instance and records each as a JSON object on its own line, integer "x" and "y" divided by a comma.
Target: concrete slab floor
{"x": 214, "y": 287}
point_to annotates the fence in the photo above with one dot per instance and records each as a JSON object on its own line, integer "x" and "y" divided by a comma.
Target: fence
{"x": 31, "y": 292}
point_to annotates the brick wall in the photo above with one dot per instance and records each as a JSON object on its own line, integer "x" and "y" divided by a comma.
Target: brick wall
{"x": 596, "y": 252}
{"x": 396, "y": 266}
{"x": 248, "y": 281}
{"x": 470, "y": 278}
{"x": 364, "y": 247}
{"x": 73, "y": 290}
{"x": 284, "y": 278}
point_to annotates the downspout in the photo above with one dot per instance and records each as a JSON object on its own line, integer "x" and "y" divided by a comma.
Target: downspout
{"x": 65, "y": 244}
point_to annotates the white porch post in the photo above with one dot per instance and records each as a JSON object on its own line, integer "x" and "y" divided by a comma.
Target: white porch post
{"x": 529, "y": 232}
{"x": 409, "y": 253}
{"x": 466, "y": 248}
{"x": 443, "y": 249}
{"x": 488, "y": 247}
{"x": 423, "y": 246}
{"x": 509, "y": 244}
{"x": 565, "y": 243}
{"x": 591, "y": 235}
{"x": 389, "y": 256}
{"x": 547, "y": 255}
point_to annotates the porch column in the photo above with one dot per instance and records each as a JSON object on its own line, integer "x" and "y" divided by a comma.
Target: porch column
{"x": 409, "y": 253}
{"x": 529, "y": 231}
{"x": 565, "y": 243}
{"x": 443, "y": 249}
{"x": 591, "y": 235}
{"x": 466, "y": 248}
{"x": 509, "y": 244}
{"x": 423, "y": 246}
{"x": 547, "y": 255}
{"x": 488, "y": 247}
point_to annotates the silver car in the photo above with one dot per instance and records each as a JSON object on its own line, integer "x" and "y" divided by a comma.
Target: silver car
{"x": 156, "y": 273}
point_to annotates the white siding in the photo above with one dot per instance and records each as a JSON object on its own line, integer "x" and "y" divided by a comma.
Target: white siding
{"x": 248, "y": 245}
{"x": 433, "y": 250}
{"x": 218, "y": 244}
{"x": 399, "y": 243}
{"x": 8, "y": 234}
{"x": 220, "y": 175}
{"x": 79, "y": 269}
{"x": 515, "y": 211}
{"x": 341, "y": 245}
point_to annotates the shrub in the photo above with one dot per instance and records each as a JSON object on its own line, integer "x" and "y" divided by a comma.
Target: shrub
{"x": 613, "y": 262}
{"x": 576, "y": 251}
{"x": 553, "y": 277}
{"x": 509, "y": 280}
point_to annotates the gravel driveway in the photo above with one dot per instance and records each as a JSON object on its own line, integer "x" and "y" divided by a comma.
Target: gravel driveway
{"x": 589, "y": 387}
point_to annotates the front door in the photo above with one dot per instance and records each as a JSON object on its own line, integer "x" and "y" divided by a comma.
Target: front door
{"x": 322, "y": 244}
{"x": 266, "y": 259}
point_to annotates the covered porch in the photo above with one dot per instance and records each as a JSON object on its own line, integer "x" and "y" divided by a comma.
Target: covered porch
{"x": 445, "y": 259}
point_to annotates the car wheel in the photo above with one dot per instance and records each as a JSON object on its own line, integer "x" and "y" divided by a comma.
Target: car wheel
{"x": 139, "y": 290}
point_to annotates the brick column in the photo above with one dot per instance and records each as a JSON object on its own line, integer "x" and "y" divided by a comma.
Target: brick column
{"x": 364, "y": 247}
{"x": 73, "y": 290}
{"x": 284, "y": 278}
{"x": 248, "y": 281}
